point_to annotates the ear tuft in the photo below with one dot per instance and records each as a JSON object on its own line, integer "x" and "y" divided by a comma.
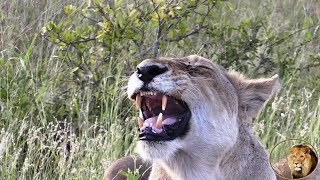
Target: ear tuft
{"x": 253, "y": 93}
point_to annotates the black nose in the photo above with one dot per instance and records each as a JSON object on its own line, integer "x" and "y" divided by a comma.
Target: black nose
{"x": 147, "y": 73}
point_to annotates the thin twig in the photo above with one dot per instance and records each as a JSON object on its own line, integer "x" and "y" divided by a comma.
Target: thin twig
{"x": 195, "y": 31}
{"x": 285, "y": 38}
{"x": 82, "y": 41}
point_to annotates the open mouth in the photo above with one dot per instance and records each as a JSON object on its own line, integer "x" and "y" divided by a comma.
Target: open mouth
{"x": 161, "y": 117}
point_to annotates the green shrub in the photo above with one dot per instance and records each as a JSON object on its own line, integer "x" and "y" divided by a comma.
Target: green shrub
{"x": 64, "y": 110}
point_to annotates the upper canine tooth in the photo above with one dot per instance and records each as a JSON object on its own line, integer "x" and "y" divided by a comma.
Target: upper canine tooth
{"x": 164, "y": 102}
{"x": 140, "y": 114}
{"x": 138, "y": 101}
{"x": 159, "y": 121}
{"x": 140, "y": 122}
{"x": 140, "y": 119}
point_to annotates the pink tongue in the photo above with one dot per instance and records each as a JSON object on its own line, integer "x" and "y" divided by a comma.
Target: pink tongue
{"x": 151, "y": 122}
{"x": 169, "y": 120}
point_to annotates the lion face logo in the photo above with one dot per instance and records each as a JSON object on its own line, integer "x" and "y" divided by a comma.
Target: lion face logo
{"x": 302, "y": 161}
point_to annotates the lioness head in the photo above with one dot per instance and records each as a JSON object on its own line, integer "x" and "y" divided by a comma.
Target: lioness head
{"x": 301, "y": 161}
{"x": 192, "y": 105}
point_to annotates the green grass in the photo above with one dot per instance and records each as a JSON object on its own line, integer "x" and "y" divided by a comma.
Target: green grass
{"x": 55, "y": 125}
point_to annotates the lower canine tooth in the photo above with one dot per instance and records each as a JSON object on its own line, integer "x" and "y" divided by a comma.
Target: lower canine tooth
{"x": 159, "y": 121}
{"x": 164, "y": 102}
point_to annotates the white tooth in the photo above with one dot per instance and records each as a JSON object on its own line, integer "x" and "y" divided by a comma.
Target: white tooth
{"x": 164, "y": 102}
{"x": 140, "y": 122}
{"x": 140, "y": 119}
{"x": 138, "y": 101}
{"x": 159, "y": 121}
{"x": 141, "y": 93}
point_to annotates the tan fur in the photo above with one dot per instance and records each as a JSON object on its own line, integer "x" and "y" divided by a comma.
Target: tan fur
{"x": 253, "y": 93}
{"x": 219, "y": 143}
{"x": 305, "y": 161}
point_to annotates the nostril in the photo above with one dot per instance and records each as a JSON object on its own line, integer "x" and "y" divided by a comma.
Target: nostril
{"x": 139, "y": 72}
{"x": 147, "y": 73}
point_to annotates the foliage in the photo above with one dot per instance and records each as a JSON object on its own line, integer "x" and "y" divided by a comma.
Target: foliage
{"x": 64, "y": 65}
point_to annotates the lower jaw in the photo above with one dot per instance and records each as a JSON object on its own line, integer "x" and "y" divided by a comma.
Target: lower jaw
{"x": 169, "y": 132}
{"x": 158, "y": 150}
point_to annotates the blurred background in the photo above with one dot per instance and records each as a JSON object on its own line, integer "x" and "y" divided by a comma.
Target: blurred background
{"x": 64, "y": 66}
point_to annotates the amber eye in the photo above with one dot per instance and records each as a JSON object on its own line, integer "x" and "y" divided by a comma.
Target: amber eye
{"x": 301, "y": 156}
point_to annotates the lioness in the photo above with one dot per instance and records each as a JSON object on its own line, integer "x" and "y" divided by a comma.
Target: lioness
{"x": 195, "y": 121}
{"x": 302, "y": 161}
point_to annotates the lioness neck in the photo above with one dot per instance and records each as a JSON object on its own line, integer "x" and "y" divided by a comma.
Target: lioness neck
{"x": 185, "y": 166}
{"x": 245, "y": 160}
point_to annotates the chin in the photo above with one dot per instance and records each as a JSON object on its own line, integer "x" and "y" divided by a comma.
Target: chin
{"x": 158, "y": 150}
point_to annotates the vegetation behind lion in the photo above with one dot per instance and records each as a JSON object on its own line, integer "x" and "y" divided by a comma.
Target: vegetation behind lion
{"x": 41, "y": 85}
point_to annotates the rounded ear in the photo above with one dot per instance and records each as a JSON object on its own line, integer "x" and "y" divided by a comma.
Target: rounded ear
{"x": 307, "y": 150}
{"x": 253, "y": 93}
{"x": 291, "y": 150}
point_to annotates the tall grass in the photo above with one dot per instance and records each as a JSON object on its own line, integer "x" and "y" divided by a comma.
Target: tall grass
{"x": 46, "y": 126}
